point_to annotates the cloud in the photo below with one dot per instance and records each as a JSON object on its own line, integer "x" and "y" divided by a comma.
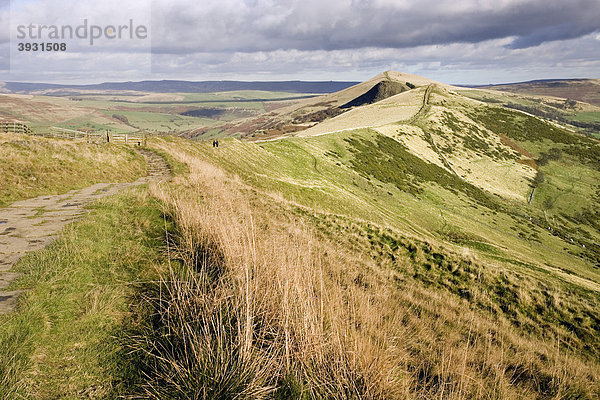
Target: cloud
{"x": 263, "y": 25}
{"x": 455, "y": 41}
{"x": 471, "y": 63}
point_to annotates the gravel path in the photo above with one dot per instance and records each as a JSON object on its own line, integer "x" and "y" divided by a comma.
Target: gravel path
{"x": 32, "y": 224}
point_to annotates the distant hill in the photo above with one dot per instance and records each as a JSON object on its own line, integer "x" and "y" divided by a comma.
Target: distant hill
{"x": 172, "y": 86}
{"x": 585, "y": 90}
{"x": 307, "y": 113}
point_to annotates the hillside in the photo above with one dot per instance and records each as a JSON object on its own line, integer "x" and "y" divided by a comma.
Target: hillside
{"x": 424, "y": 242}
{"x": 571, "y": 110}
{"x": 49, "y": 111}
{"x": 478, "y": 205}
{"x": 584, "y": 90}
{"x": 32, "y": 166}
{"x": 310, "y": 112}
{"x": 366, "y": 242}
{"x": 438, "y": 126}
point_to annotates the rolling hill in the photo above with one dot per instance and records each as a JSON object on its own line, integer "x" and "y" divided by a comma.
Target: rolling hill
{"x": 400, "y": 238}
{"x": 434, "y": 235}
{"x": 310, "y": 112}
{"x": 584, "y": 90}
{"x": 173, "y": 86}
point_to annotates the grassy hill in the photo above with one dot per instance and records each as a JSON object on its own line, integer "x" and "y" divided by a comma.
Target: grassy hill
{"x": 574, "y": 102}
{"x": 31, "y": 166}
{"x": 428, "y": 244}
{"x": 437, "y": 206}
{"x": 518, "y": 184}
{"x": 584, "y": 90}
{"x": 311, "y": 112}
{"x": 364, "y": 270}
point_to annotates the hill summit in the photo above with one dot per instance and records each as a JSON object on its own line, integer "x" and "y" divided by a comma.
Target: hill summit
{"x": 307, "y": 113}
{"x": 380, "y": 91}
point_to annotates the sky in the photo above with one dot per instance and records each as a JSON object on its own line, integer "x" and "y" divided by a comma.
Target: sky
{"x": 457, "y": 41}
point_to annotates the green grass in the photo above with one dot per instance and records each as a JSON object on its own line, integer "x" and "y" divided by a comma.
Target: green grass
{"x": 591, "y": 116}
{"x": 62, "y": 341}
{"x": 369, "y": 176}
{"x": 31, "y": 166}
{"x": 390, "y": 162}
{"x": 587, "y": 122}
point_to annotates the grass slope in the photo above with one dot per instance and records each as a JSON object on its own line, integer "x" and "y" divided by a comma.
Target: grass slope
{"x": 31, "y": 166}
{"x": 293, "y": 284}
{"x": 579, "y": 115}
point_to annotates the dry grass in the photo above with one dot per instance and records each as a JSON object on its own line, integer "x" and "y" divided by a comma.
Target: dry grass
{"x": 400, "y": 107}
{"x": 266, "y": 306}
{"x": 32, "y": 166}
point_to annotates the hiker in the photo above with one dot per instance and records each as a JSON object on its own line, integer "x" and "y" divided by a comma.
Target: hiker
{"x": 216, "y": 143}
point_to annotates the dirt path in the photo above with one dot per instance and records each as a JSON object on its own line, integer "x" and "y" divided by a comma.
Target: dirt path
{"x": 32, "y": 224}
{"x": 421, "y": 114}
{"x": 423, "y": 110}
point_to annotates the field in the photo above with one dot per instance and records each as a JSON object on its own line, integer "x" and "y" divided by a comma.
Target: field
{"x": 585, "y": 90}
{"x": 150, "y": 112}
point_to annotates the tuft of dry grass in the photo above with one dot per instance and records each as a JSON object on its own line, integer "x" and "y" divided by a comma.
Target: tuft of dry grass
{"x": 261, "y": 304}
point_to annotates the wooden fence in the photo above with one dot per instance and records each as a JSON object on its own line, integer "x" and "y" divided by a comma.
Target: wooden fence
{"x": 130, "y": 139}
{"x": 14, "y": 127}
{"x": 63, "y": 133}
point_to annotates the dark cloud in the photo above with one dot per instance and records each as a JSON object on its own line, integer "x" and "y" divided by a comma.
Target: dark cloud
{"x": 263, "y": 25}
{"x": 567, "y": 30}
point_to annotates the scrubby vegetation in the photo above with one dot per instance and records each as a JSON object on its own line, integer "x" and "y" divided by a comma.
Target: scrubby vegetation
{"x": 525, "y": 128}
{"x": 591, "y": 127}
{"x": 388, "y": 161}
